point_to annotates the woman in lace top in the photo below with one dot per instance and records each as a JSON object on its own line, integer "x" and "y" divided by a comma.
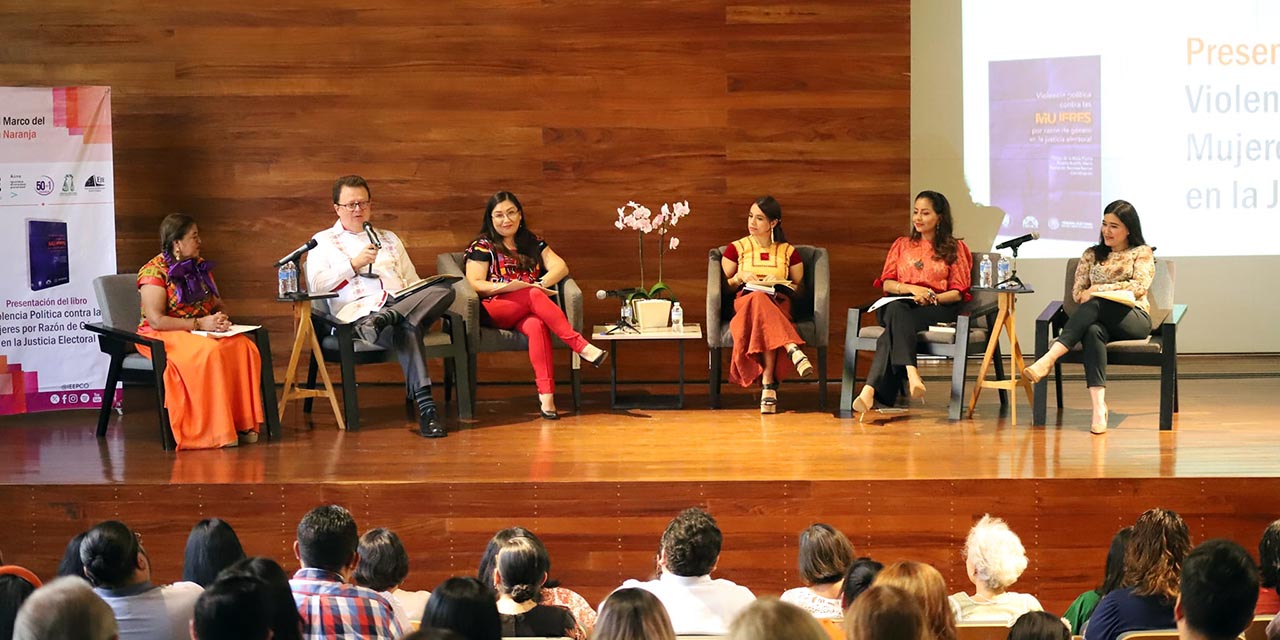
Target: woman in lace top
{"x": 1111, "y": 284}
{"x": 825, "y": 556}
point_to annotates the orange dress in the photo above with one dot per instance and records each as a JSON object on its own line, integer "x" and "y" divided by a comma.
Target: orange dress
{"x": 761, "y": 322}
{"x": 211, "y": 385}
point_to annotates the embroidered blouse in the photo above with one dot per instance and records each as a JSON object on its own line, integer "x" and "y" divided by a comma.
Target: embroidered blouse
{"x": 1130, "y": 270}
{"x": 913, "y": 262}
{"x": 775, "y": 260}
{"x": 504, "y": 267}
{"x": 156, "y": 272}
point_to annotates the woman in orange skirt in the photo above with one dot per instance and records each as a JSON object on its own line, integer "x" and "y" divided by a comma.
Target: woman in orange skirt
{"x": 761, "y": 324}
{"x": 211, "y": 385}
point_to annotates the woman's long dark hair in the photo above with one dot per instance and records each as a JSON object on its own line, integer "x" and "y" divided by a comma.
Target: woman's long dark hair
{"x": 489, "y": 560}
{"x": 109, "y": 552}
{"x": 1114, "y": 578}
{"x": 1129, "y": 218}
{"x": 526, "y": 242}
{"x": 773, "y": 212}
{"x": 286, "y": 623}
{"x": 945, "y": 246}
{"x": 1269, "y": 557}
{"x": 211, "y": 547}
{"x": 464, "y": 605}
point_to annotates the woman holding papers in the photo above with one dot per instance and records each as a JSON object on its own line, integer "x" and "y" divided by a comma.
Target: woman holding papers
{"x": 513, "y": 270}
{"x": 929, "y": 270}
{"x": 761, "y": 324}
{"x": 1110, "y": 286}
{"x": 211, "y": 385}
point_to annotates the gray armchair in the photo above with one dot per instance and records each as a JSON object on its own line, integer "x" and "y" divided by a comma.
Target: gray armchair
{"x": 811, "y": 312}
{"x": 483, "y": 339}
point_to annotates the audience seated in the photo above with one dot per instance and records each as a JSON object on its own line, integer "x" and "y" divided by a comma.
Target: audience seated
{"x": 434, "y": 634}
{"x": 70, "y": 564}
{"x": 235, "y": 607}
{"x": 16, "y": 585}
{"x": 994, "y": 559}
{"x": 120, "y": 572}
{"x": 1080, "y": 610}
{"x": 384, "y": 564}
{"x": 1039, "y": 625}
{"x": 884, "y": 612}
{"x": 518, "y": 578}
{"x": 697, "y": 604}
{"x": 65, "y": 609}
{"x": 633, "y": 614}
{"x": 1152, "y": 564}
{"x": 929, "y": 589}
{"x": 552, "y": 593}
{"x": 464, "y": 605}
{"x": 330, "y": 606}
{"x": 211, "y": 547}
{"x": 770, "y": 618}
{"x": 286, "y": 623}
{"x": 1269, "y": 567}
{"x": 825, "y": 556}
{"x": 1217, "y": 592}
{"x": 857, "y": 579}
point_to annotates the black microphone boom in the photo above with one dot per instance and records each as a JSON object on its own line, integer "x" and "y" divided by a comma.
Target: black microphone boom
{"x": 373, "y": 235}
{"x": 601, "y": 294}
{"x": 1018, "y": 241}
{"x": 297, "y": 253}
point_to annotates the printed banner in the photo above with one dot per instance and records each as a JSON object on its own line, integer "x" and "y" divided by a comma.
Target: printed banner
{"x": 57, "y": 227}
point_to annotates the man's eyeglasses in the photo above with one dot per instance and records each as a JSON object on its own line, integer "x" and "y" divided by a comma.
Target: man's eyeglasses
{"x": 356, "y": 206}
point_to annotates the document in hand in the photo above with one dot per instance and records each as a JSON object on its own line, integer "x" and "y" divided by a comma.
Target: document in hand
{"x": 235, "y": 330}
{"x": 511, "y": 284}
{"x": 769, "y": 286}
{"x": 1123, "y": 297}
{"x": 886, "y": 300}
{"x": 423, "y": 284}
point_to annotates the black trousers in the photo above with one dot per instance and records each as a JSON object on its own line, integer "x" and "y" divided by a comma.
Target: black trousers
{"x": 896, "y": 347}
{"x": 420, "y": 310}
{"x": 1094, "y": 324}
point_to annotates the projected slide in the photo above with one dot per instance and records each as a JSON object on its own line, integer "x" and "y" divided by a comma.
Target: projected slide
{"x": 1174, "y": 106}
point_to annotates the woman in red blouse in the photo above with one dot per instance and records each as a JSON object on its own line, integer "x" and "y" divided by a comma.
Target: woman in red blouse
{"x": 933, "y": 267}
{"x": 511, "y": 269}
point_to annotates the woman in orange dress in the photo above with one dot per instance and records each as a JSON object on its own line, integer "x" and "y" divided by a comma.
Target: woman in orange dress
{"x": 761, "y": 324}
{"x": 211, "y": 385}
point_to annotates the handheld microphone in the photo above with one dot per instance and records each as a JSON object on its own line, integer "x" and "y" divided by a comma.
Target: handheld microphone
{"x": 601, "y": 294}
{"x": 297, "y": 253}
{"x": 373, "y": 236}
{"x": 1018, "y": 242}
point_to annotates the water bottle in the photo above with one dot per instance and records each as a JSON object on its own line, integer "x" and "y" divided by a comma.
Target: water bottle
{"x": 282, "y": 276}
{"x": 984, "y": 272}
{"x": 625, "y": 317}
{"x": 1002, "y": 269}
{"x": 677, "y": 318}
{"x": 293, "y": 277}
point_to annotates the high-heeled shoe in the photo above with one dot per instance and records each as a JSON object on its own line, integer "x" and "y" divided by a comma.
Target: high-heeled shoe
{"x": 1030, "y": 373}
{"x": 599, "y": 359}
{"x": 548, "y": 415}
{"x": 1098, "y": 429}
{"x": 861, "y": 408}
{"x": 915, "y": 390}
{"x": 769, "y": 403}
{"x": 801, "y": 362}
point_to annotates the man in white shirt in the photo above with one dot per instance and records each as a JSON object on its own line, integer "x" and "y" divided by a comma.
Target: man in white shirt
{"x": 697, "y": 604}
{"x": 347, "y": 262}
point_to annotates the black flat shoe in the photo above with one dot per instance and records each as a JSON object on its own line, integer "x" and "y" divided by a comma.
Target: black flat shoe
{"x": 548, "y": 415}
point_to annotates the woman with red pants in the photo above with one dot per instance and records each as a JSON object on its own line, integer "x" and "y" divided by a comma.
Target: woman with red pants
{"x": 511, "y": 270}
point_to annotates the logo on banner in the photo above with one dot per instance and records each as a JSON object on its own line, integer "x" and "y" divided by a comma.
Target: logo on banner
{"x": 44, "y": 185}
{"x": 69, "y": 185}
{"x": 95, "y": 184}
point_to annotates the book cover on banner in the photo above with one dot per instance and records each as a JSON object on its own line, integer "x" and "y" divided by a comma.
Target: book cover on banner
{"x": 57, "y": 223}
{"x": 1046, "y": 147}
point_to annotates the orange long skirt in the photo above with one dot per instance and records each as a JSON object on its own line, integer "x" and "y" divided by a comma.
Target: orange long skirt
{"x": 211, "y": 387}
{"x": 761, "y": 322}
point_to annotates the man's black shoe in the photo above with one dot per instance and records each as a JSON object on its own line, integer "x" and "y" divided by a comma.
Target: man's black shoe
{"x": 430, "y": 425}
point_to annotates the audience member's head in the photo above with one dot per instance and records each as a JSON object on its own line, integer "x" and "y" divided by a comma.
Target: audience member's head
{"x": 862, "y": 572}
{"x": 16, "y": 585}
{"x": 433, "y": 634}
{"x": 825, "y": 554}
{"x": 327, "y": 539}
{"x": 994, "y": 556}
{"x": 286, "y": 623}
{"x": 464, "y": 605}
{"x": 1114, "y": 577}
{"x": 1269, "y": 556}
{"x": 232, "y": 608}
{"x": 489, "y": 561}
{"x": 519, "y": 570}
{"x": 883, "y": 612}
{"x": 211, "y": 547}
{"x": 70, "y": 565}
{"x": 113, "y": 556}
{"x": 1153, "y": 560}
{"x": 1219, "y": 589}
{"x": 383, "y": 561}
{"x": 633, "y": 614}
{"x": 1039, "y": 625}
{"x": 930, "y": 590}
{"x": 769, "y": 618}
{"x": 66, "y": 609}
{"x": 691, "y": 544}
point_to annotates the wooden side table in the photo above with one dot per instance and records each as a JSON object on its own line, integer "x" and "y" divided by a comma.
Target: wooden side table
{"x": 649, "y": 336}
{"x": 1006, "y": 302}
{"x": 305, "y": 338}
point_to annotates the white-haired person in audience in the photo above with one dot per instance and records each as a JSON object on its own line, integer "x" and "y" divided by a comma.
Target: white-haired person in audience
{"x": 1152, "y": 564}
{"x": 697, "y": 604}
{"x": 120, "y": 571}
{"x": 552, "y": 593}
{"x": 383, "y": 566}
{"x": 994, "y": 559}
{"x": 825, "y": 556}
{"x": 330, "y": 606}
{"x": 66, "y": 609}
{"x": 770, "y": 618}
{"x": 1217, "y": 592}
{"x": 633, "y": 614}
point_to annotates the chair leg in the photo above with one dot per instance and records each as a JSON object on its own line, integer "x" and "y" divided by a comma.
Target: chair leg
{"x": 822, "y": 379}
{"x": 849, "y": 372}
{"x": 449, "y": 373}
{"x": 268, "y": 380}
{"x": 158, "y": 362}
{"x": 714, "y": 377}
{"x": 1168, "y": 379}
{"x": 350, "y": 399}
{"x": 109, "y": 393}
{"x": 1039, "y": 403}
{"x": 959, "y": 369}
{"x": 462, "y": 375}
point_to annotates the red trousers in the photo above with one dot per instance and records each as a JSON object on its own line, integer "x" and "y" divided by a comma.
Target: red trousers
{"x": 532, "y": 313}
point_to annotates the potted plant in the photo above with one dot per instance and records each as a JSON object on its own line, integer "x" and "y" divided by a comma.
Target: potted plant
{"x": 652, "y": 305}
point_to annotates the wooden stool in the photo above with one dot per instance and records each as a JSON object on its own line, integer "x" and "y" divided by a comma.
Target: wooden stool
{"x": 306, "y": 335}
{"x": 1006, "y": 300}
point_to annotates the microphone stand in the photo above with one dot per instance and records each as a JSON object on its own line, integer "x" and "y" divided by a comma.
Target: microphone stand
{"x": 1013, "y": 274}
{"x": 624, "y": 324}
{"x": 377, "y": 244}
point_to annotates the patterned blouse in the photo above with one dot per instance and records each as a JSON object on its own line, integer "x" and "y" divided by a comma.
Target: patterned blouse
{"x": 1130, "y": 270}
{"x": 913, "y": 262}
{"x": 503, "y": 267}
{"x": 775, "y": 260}
{"x": 156, "y": 272}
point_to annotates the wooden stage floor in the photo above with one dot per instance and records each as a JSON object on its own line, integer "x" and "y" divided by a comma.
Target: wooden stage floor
{"x": 600, "y": 485}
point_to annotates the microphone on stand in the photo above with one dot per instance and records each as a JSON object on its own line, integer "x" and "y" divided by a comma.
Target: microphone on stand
{"x": 601, "y": 294}
{"x": 1016, "y": 242}
{"x": 297, "y": 253}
